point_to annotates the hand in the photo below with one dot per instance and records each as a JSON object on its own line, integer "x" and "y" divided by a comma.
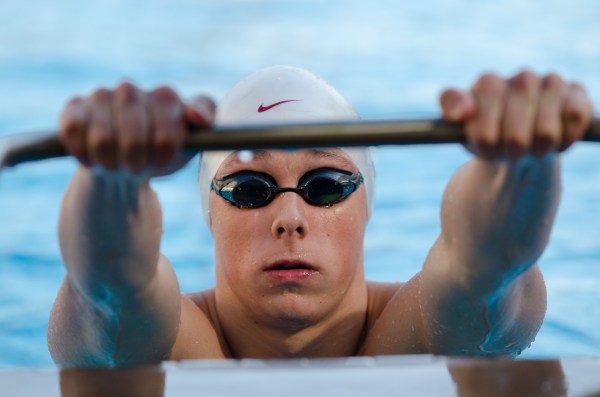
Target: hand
{"x": 127, "y": 128}
{"x": 520, "y": 116}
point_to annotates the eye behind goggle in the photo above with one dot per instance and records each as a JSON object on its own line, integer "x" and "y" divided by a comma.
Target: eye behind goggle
{"x": 246, "y": 189}
{"x": 320, "y": 187}
{"x": 327, "y": 186}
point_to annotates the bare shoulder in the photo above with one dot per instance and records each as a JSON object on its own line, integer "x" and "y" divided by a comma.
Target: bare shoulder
{"x": 379, "y": 294}
{"x": 394, "y": 319}
{"x": 203, "y": 300}
{"x": 199, "y": 334}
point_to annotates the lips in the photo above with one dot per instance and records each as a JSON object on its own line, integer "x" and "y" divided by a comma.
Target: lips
{"x": 291, "y": 270}
{"x": 290, "y": 265}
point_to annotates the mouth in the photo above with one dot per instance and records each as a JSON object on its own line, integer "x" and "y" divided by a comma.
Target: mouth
{"x": 291, "y": 271}
{"x": 290, "y": 265}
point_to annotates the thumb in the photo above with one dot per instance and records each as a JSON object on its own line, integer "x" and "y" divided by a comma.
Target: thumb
{"x": 457, "y": 105}
{"x": 199, "y": 111}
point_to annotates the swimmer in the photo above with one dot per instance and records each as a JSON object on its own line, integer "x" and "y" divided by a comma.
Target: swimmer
{"x": 289, "y": 227}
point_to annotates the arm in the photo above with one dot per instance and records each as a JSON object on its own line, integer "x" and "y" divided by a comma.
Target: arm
{"x": 120, "y": 302}
{"x": 481, "y": 292}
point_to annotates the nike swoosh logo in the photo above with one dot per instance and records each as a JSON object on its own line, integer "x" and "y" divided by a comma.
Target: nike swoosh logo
{"x": 262, "y": 108}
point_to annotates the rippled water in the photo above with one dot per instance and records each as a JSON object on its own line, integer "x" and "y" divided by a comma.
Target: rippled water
{"x": 388, "y": 57}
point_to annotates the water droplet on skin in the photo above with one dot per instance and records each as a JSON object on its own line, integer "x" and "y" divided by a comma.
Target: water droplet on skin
{"x": 245, "y": 156}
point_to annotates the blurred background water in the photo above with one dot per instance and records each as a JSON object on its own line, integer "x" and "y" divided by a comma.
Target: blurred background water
{"x": 388, "y": 57}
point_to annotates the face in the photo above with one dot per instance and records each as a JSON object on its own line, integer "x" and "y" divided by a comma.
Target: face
{"x": 290, "y": 263}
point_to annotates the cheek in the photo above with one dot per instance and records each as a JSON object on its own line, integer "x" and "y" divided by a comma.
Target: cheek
{"x": 233, "y": 233}
{"x": 350, "y": 219}
{"x": 344, "y": 229}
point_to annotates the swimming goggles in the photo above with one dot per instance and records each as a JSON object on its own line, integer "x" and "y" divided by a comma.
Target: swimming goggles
{"x": 322, "y": 187}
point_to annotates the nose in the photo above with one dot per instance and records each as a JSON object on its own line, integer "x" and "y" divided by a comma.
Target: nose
{"x": 290, "y": 220}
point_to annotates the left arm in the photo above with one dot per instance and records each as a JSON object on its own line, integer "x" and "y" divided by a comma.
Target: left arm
{"x": 480, "y": 292}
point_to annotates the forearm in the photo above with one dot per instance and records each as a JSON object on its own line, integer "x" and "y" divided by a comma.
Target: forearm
{"x": 119, "y": 304}
{"x": 109, "y": 232}
{"x": 481, "y": 293}
{"x": 497, "y": 218}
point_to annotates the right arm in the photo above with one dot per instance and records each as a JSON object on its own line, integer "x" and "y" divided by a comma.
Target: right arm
{"x": 120, "y": 302}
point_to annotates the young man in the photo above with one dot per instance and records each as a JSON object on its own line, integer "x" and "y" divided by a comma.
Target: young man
{"x": 289, "y": 226}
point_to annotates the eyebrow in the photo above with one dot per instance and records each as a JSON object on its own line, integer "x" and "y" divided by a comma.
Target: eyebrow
{"x": 328, "y": 154}
{"x": 262, "y": 154}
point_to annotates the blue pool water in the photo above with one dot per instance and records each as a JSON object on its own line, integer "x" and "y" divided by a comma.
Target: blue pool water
{"x": 388, "y": 57}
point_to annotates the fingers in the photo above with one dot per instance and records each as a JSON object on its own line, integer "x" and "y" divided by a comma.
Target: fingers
{"x": 521, "y": 116}
{"x": 483, "y": 129}
{"x": 169, "y": 130}
{"x": 127, "y": 128}
{"x": 101, "y": 135}
{"x": 132, "y": 126}
{"x": 548, "y": 123}
{"x": 200, "y": 111}
{"x": 73, "y": 122}
{"x": 577, "y": 114}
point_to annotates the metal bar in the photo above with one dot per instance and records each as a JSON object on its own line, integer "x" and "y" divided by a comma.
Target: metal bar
{"x": 18, "y": 149}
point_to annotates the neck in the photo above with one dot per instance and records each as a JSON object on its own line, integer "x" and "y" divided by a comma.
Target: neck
{"x": 338, "y": 335}
{"x": 337, "y": 339}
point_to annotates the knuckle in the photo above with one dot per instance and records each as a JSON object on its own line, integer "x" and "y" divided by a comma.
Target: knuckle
{"x": 491, "y": 82}
{"x": 542, "y": 146}
{"x": 127, "y": 92}
{"x": 133, "y": 149}
{"x": 75, "y": 101}
{"x": 573, "y": 114}
{"x": 576, "y": 86}
{"x": 101, "y": 95}
{"x": 165, "y": 145}
{"x": 515, "y": 148}
{"x": 70, "y": 129}
{"x": 546, "y": 135}
{"x": 163, "y": 151}
{"x": 102, "y": 143}
{"x": 485, "y": 142}
{"x": 72, "y": 119}
{"x": 553, "y": 81}
{"x": 526, "y": 81}
{"x": 516, "y": 141}
{"x": 164, "y": 94}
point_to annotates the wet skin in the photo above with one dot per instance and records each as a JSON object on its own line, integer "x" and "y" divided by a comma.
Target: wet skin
{"x": 479, "y": 291}
{"x": 289, "y": 265}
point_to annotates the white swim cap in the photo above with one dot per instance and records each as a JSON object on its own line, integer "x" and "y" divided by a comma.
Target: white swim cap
{"x": 283, "y": 94}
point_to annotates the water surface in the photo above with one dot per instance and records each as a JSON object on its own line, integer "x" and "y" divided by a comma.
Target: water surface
{"x": 388, "y": 57}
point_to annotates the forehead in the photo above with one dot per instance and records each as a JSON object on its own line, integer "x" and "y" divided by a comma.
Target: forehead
{"x": 335, "y": 155}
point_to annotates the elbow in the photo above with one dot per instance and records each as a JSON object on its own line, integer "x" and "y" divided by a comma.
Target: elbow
{"x": 515, "y": 315}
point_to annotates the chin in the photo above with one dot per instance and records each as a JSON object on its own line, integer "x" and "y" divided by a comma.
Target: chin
{"x": 294, "y": 313}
